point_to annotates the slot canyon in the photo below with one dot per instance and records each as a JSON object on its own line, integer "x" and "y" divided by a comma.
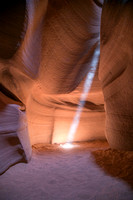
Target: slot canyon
{"x": 66, "y": 100}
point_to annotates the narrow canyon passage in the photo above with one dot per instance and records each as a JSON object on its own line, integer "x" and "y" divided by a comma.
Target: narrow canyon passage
{"x": 66, "y": 80}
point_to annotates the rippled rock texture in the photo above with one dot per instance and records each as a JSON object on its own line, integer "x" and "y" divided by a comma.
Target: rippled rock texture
{"x": 52, "y": 55}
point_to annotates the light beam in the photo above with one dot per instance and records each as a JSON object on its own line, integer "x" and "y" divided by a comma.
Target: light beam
{"x": 86, "y": 88}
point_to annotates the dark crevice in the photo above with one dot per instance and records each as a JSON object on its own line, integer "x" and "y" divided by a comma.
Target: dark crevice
{"x": 9, "y": 94}
{"x": 98, "y": 3}
{"x": 12, "y": 26}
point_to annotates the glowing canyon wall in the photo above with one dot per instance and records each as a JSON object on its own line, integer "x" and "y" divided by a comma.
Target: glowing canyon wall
{"x": 52, "y": 55}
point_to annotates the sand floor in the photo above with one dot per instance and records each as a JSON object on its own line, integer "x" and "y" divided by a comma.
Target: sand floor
{"x": 90, "y": 171}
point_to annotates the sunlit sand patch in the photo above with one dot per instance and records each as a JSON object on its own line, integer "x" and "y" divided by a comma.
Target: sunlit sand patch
{"x": 68, "y": 145}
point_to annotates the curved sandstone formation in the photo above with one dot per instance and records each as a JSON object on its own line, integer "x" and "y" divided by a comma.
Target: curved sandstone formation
{"x": 116, "y": 72}
{"x": 49, "y": 65}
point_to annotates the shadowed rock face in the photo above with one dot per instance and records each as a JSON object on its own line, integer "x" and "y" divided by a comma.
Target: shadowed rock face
{"x": 47, "y": 51}
{"x": 12, "y": 17}
{"x": 115, "y": 72}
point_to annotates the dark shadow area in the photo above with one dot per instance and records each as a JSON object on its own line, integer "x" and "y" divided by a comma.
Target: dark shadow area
{"x": 12, "y": 26}
{"x": 9, "y": 94}
{"x": 116, "y": 163}
{"x": 99, "y": 3}
{"x": 17, "y": 162}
